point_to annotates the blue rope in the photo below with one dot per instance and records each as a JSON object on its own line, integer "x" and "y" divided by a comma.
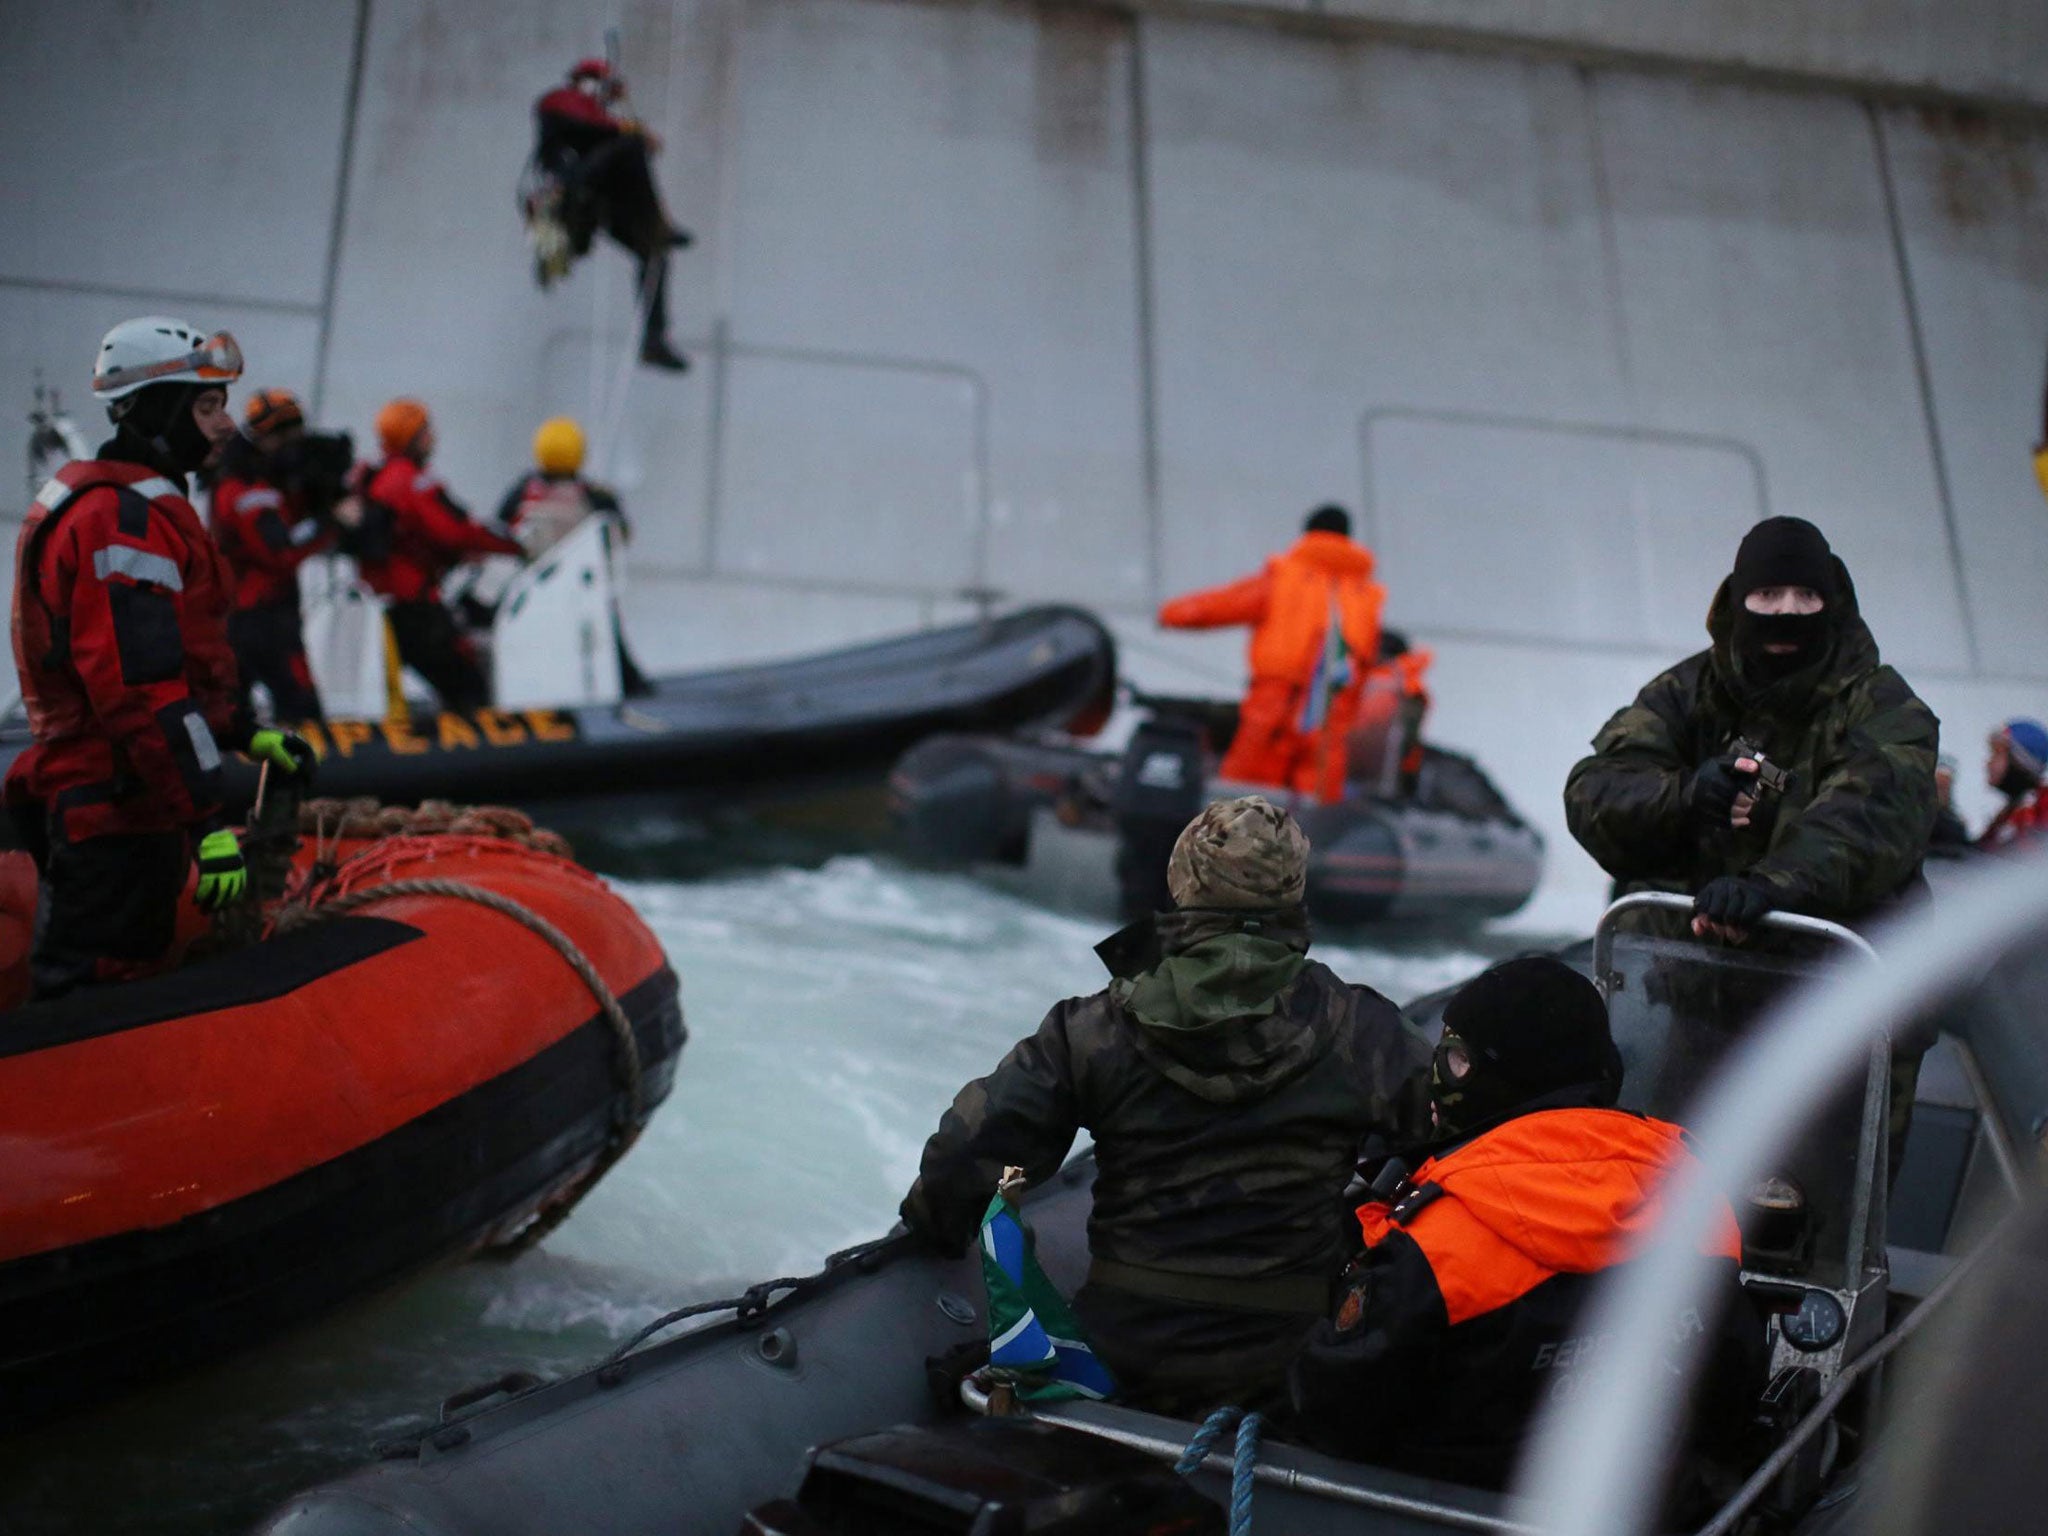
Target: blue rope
{"x": 1249, "y": 1428}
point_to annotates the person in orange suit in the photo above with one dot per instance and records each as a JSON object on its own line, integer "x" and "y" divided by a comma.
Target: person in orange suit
{"x": 1307, "y": 672}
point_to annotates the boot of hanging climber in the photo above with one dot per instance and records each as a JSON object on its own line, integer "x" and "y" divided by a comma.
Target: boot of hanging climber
{"x": 655, "y": 352}
{"x": 679, "y": 238}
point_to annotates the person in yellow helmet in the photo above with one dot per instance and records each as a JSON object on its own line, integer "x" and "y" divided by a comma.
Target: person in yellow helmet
{"x": 545, "y": 504}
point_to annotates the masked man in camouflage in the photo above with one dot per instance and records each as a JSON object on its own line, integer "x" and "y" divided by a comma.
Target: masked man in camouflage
{"x": 1228, "y": 1081}
{"x": 1672, "y": 798}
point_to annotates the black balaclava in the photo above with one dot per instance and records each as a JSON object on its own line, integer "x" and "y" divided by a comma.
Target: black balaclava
{"x": 1329, "y": 519}
{"x": 155, "y": 426}
{"x": 1530, "y": 1027}
{"x": 1782, "y": 552}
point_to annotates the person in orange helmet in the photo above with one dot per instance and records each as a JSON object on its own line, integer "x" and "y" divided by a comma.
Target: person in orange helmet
{"x": 1314, "y": 613}
{"x": 414, "y": 533}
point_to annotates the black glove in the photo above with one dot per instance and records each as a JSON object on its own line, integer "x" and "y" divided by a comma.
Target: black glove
{"x": 1711, "y": 794}
{"x": 1733, "y": 902}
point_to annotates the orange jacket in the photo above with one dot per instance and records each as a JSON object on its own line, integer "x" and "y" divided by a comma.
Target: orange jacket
{"x": 1288, "y": 606}
{"x": 1559, "y": 1192}
{"x": 1466, "y": 1312}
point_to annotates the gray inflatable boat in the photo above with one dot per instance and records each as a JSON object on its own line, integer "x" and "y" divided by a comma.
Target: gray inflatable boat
{"x": 1064, "y": 823}
{"x": 834, "y": 1402}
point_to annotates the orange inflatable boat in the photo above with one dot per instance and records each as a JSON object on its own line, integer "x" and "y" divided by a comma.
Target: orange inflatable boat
{"x": 442, "y": 1043}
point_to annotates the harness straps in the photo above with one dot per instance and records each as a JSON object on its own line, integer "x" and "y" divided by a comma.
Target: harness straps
{"x": 1414, "y": 1201}
{"x": 1282, "y": 1295}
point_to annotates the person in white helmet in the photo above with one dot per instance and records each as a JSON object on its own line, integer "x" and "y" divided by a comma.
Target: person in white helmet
{"x": 120, "y": 640}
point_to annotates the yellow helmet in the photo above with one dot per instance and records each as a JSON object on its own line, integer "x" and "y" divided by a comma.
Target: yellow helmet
{"x": 558, "y": 446}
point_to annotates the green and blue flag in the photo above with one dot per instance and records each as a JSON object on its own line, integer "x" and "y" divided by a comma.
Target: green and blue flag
{"x": 1034, "y": 1341}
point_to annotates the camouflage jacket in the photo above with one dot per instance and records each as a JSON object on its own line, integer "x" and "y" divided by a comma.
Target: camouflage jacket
{"x": 1849, "y": 830}
{"x": 1227, "y": 1085}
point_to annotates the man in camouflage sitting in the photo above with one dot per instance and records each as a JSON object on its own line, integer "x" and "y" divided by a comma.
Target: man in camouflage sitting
{"x": 1675, "y": 798}
{"x": 1228, "y": 1081}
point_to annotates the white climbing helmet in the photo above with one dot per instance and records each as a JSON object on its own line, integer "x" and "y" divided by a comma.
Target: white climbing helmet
{"x": 157, "y": 350}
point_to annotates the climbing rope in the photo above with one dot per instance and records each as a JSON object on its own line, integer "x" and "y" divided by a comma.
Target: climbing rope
{"x": 332, "y": 821}
{"x": 1249, "y": 1428}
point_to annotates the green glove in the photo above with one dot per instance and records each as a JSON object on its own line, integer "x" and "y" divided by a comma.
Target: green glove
{"x": 286, "y": 751}
{"x": 223, "y": 877}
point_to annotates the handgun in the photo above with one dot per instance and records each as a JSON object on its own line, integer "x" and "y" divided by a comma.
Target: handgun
{"x": 1770, "y": 778}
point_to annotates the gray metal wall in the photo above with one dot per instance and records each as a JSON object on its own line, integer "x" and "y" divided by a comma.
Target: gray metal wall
{"x": 1066, "y": 304}
{"x": 1995, "y": 48}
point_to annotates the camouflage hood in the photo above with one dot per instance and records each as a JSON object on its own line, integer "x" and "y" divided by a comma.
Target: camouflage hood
{"x": 1208, "y": 1008}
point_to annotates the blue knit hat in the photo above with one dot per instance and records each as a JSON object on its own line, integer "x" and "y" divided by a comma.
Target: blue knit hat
{"x": 2027, "y": 742}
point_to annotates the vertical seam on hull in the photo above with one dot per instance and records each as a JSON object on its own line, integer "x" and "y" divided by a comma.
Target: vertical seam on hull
{"x": 337, "y": 231}
{"x": 1924, "y": 381}
{"x": 1148, "y": 404}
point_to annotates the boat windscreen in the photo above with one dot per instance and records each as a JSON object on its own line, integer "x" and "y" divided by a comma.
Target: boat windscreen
{"x": 1677, "y": 1008}
{"x": 2001, "y": 1020}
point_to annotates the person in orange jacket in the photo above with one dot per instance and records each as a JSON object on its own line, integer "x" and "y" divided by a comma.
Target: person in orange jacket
{"x": 1307, "y": 677}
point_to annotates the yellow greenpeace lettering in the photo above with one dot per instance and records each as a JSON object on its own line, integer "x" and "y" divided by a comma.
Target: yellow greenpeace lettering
{"x": 399, "y": 737}
{"x": 548, "y": 725}
{"x": 315, "y": 738}
{"x": 500, "y": 730}
{"x": 348, "y": 735}
{"x": 457, "y": 732}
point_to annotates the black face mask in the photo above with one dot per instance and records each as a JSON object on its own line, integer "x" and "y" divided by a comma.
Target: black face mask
{"x": 1753, "y": 632}
{"x": 1470, "y": 1098}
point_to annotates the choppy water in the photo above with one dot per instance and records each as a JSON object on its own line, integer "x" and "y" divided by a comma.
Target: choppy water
{"x": 833, "y": 1013}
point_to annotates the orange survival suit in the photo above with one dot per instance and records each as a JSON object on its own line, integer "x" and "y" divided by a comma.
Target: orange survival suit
{"x": 1298, "y": 711}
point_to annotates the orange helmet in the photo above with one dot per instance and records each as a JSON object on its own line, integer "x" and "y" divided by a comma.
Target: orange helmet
{"x": 272, "y": 410}
{"x": 399, "y": 425}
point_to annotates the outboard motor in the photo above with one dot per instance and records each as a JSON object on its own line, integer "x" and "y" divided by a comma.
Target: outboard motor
{"x": 1159, "y": 789}
{"x": 986, "y": 1475}
{"x": 952, "y": 803}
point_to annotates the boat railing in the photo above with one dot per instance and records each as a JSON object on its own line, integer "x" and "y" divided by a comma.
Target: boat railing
{"x": 1608, "y": 928}
{"x": 1120, "y": 1426}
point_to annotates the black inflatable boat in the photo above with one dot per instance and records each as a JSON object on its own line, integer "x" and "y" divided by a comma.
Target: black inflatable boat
{"x": 738, "y": 735}
{"x": 1075, "y": 826}
{"x": 856, "y": 1365}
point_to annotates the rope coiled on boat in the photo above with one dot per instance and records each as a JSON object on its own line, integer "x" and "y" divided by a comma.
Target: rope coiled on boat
{"x": 1243, "y": 1467}
{"x": 626, "y": 1053}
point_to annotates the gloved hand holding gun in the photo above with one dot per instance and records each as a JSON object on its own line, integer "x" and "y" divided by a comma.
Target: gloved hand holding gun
{"x": 1758, "y": 802}
{"x": 1725, "y": 791}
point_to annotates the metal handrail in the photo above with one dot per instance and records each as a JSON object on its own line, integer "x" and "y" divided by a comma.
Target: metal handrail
{"x": 1671, "y": 901}
{"x": 1313, "y": 1485}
